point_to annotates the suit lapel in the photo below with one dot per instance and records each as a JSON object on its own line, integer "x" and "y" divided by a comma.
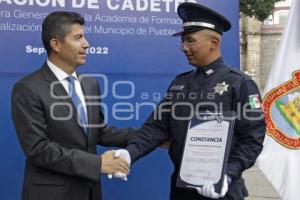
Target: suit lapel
{"x": 57, "y": 91}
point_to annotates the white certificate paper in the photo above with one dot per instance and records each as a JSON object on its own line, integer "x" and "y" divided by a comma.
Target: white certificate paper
{"x": 205, "y": 151}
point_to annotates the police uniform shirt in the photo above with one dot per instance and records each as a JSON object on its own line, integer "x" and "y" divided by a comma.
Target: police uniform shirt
{"x": 212, "y": 87}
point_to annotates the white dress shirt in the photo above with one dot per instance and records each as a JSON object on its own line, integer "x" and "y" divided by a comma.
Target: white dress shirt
{"x": 62, "y": 77}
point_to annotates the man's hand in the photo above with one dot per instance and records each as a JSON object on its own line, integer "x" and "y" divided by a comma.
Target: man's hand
{"x": 208, "y": 189}
{"x": 112, "y": 164}
{"x": 121, "y": 153}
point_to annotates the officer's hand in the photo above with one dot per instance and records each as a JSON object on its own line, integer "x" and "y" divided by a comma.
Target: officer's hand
{"x": 208, "y": 189}
{"x": 119, "y": 175}
{"x": 121, "y": 153}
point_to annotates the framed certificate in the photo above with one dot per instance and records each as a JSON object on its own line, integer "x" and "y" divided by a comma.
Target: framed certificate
{"x": 205, "y": 154}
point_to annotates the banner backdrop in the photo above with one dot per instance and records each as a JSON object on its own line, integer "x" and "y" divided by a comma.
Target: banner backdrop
{"x": 131, "y": 54}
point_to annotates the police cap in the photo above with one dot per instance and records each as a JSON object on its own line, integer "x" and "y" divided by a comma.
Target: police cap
{"x": 197, "y": 17}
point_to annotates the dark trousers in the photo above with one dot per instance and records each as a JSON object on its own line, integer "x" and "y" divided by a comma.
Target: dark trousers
{"x": 90, "y": 195}
{"x": 185, "y": 194}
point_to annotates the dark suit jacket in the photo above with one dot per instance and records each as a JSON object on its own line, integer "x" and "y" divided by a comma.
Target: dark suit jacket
{"x": 61, "y": 161}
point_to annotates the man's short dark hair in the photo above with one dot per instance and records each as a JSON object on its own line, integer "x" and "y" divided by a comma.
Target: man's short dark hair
{"x": 57, "y": 25}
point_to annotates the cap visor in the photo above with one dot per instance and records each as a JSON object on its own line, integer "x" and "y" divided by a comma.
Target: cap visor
{"x": 178, "y": 34}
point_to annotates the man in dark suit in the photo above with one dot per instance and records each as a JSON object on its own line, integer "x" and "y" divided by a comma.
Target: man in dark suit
{"x": 59, "y": 121}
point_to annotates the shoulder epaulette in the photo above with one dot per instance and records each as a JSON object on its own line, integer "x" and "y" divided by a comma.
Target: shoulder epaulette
{"x": 239, "y": 73}
{"x": 184, "y": 73}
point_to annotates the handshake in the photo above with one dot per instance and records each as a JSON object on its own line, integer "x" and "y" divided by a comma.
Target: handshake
{"x": 116, "y": 163}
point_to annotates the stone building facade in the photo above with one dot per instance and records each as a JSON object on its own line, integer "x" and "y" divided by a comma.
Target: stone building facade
{"x": 259, "y": 41}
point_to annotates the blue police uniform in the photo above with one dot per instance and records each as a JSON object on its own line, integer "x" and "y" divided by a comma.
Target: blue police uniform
{"x": 213, "y": 86}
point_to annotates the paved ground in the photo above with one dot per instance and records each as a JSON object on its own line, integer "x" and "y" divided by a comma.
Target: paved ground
{"x": 258, "y": 186}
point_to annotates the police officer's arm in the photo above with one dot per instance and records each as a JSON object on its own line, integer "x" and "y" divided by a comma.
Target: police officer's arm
{"x": 110, "y": 136}
{"x": 153, "y": 132}
{"x": 249, "y": 131}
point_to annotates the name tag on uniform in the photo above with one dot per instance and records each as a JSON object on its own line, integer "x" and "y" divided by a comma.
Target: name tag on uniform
{"x": 177, "y": 87}
{"x": 206, "y": 150}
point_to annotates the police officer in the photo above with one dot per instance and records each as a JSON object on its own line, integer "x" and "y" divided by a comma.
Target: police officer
{"x": 213, "y": 87}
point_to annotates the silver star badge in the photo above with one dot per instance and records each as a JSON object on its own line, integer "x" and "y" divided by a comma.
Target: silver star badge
{"x": 220, "y": 88}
